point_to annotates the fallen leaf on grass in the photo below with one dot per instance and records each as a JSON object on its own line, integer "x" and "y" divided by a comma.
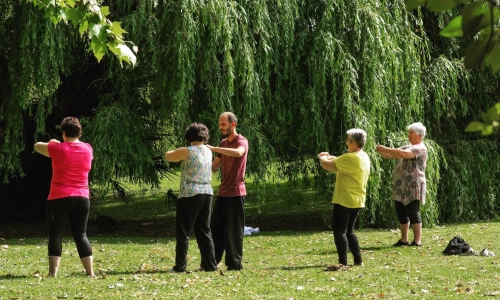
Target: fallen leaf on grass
{"x": 36, "y": 274}
{"x": 5, "y": 246}
{"x": 496, "y": 293}
{"x": 300, "y": 288}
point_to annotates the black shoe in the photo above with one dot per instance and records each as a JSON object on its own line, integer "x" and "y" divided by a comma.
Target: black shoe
{"x": 400, "y": 243}
{"x": 415, "y": 244}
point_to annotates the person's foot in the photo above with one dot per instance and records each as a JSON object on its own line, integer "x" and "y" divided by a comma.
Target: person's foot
{"x": 361, "y": 264}
{"x": 339, "y": 267}
{"x": 415, "y": 244}
{"x": 173, "y": 270}
{"x": 400, "y": 243}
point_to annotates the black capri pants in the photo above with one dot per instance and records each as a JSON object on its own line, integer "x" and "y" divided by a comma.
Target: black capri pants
{"x": 410, "y": 212}
{"x": 76, "y": 211}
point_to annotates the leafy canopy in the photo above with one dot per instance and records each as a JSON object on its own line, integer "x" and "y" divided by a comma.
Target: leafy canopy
{"x": 90, "y": 18}
{"x": 478, "y": 20}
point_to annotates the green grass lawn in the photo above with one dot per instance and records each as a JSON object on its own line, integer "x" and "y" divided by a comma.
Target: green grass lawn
{"x": 277, "y": 265}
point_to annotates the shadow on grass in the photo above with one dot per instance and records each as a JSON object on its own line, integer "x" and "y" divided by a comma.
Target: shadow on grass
{"x": 294, "y": 268}
{"x": 10, "y": 276}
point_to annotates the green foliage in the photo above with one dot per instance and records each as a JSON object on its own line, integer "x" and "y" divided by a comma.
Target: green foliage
{"x": 480, "y": 20}
{"x": 91, "y": 18}
{"x": 298, "y": 74}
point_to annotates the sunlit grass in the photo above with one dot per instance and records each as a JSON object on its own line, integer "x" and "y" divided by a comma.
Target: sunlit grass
{"x": 280, "y": 198}
{"x": 277, "y": 265}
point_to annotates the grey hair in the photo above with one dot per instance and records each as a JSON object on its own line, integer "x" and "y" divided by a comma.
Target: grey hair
{"x": 419, "y": 128}
{"x": 358, "y": 136}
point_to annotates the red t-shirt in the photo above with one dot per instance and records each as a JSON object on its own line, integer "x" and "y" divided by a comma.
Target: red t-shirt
{"x": 233, "y": 168}
{"x": 71, "y": 163}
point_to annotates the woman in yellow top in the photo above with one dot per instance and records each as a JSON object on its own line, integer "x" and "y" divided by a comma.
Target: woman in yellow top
{"x": 349, "y": 195}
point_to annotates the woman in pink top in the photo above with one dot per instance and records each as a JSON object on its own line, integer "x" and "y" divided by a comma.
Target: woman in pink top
{"x": 69, "y": 193}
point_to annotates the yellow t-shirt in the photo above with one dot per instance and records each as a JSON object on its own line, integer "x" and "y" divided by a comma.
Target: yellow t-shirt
{"x": 352, "y": 178}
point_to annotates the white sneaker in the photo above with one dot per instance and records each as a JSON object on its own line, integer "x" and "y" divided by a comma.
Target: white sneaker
{"x": 486, "y": 252}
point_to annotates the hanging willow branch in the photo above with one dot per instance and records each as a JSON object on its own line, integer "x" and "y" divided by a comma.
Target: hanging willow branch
{"x": 298, "y": 74}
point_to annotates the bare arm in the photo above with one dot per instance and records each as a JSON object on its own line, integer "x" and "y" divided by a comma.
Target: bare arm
{"x": 238, "y": 152}
{"x": 395, "y": 153}
{"x": 327, "y": 162}
{"x": 177, "y": 154}
{"x": 43, "y": 148}
{"x": 216, "y": 164}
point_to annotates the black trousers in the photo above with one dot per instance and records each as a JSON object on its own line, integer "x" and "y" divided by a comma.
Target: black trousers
{"x": 59, "y": 212}
{"x": 194, "y": 213}
{"x": 228, "y": 224}
{"x": 410, "y": 212}
{"x": 343, "y": 233}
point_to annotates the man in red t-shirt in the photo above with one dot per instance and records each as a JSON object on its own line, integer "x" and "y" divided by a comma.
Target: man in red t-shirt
{"x": 228, "y": 215}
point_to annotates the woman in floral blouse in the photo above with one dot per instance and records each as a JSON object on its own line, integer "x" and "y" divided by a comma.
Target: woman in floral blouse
{"x": 409, "y": 182}
{"x": 195, "y": 198}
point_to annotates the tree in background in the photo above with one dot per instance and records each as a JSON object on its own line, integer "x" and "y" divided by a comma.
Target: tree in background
{"x": 297, "y": 74}
{"x": 478, "y": 20}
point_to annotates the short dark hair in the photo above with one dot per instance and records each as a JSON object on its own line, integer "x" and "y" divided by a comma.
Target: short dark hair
{"x": 197, "y": 132}
{"x": 71, "y": 127}
{"x": 230, "y": 117}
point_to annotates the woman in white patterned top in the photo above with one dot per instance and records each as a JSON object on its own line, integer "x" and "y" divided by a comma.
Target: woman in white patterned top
{"x": 195, "y": 198}
{"x": 409, "y": 182}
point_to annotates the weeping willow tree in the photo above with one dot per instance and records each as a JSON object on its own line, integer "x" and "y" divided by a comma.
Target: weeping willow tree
{"x": 298, "y": 74}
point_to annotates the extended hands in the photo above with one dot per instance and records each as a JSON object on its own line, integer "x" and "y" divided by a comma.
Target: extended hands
{"x": 325, "y": 156}
{"x": 380, "y": 148}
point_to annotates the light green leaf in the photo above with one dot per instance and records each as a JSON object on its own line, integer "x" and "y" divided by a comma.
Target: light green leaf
{"x": 71, "y": 3}
{"x": 493, "y": 58}
{"x": 105, "y": 10}
{"x": 474, "y": 53}
{"x": 94, "y": 18}
{"x": 472, "y": 21}
{"x": 453, "y": 29}
{"x": 47, "y": 2}
{"x": 494, "y": 112}
{"x": 474, "y": 126}
{"x": 98, "y": 47}
{"x": 412, "y": 4}
{"x": 94, "y": 30}
{"x": 441, "y": 5}
{"x": 487, "y": 130}
{"x": 98, "y": 31}
{"x": 54, "y": 20}
{"x": 117, "y": 29}
{"x": 112, "y": 47}
{"x": 83, "y": 27}
{"x": 126, "y": 54}
{"x": 75, "y": 16}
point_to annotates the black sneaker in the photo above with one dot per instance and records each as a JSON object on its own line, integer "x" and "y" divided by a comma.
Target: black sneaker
{"x": 415, "y": 244}
{"x": 400, "y": 243}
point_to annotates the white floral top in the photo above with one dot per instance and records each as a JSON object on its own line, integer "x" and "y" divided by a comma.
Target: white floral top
{"x": 409, "y": 176}
{"x": 196, "y": 172}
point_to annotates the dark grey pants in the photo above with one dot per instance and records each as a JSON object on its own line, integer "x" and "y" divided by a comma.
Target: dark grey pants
{"x": 228, "y": 224}
{"x": 343, "y": 233}
{"x": 193, "y": 213}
